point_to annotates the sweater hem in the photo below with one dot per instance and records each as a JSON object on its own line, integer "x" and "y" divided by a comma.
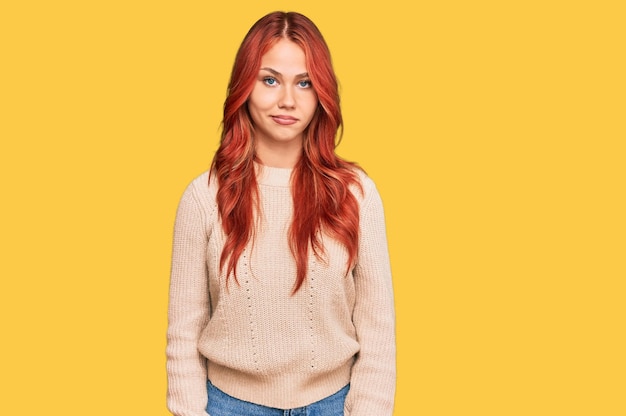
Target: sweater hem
{"x": 281, "y": 391}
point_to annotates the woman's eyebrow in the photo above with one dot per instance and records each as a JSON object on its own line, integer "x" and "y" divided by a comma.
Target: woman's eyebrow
{"x": 278, "y": 74}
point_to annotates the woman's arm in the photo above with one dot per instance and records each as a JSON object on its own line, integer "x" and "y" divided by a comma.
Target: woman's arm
{"x": 373, "y": 380}
{"x": 188, "y": 311}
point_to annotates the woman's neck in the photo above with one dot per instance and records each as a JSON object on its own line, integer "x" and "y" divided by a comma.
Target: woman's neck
{"x": 278, "y": 156}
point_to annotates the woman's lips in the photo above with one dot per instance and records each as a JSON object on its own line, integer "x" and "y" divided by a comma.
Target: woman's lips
{"x": 284, "y": 120}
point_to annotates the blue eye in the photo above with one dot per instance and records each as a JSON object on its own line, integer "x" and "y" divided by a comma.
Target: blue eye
{"x": 304, "y": 84}
{"x": 269, "y": 81}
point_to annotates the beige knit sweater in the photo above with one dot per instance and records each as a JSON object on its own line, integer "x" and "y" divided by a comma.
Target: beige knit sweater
{"x": 258, "y": 342}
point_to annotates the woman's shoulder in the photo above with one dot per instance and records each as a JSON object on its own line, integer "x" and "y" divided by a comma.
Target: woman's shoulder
{"x": 365, "y": 187}
{"x": 363, "y": 177}
{"x": 200, "y": 184}
{"x": 202, "y": 191}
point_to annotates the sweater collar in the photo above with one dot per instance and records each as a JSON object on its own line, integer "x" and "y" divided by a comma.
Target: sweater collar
{"x": 267, "y": 175}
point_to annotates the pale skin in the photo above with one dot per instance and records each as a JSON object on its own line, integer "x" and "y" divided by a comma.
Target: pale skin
{"x": 282, "y": 104}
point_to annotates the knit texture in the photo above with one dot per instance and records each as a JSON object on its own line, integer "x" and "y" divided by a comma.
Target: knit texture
{"x": 257, "y": 341}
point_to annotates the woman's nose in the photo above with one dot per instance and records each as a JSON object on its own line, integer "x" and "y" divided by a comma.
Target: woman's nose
{"x": 287, "y": 99}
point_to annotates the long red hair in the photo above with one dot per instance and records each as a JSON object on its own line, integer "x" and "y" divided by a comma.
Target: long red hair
{"x": 321, "y": 180}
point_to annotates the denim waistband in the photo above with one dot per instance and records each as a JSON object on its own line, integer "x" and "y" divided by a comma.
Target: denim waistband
{"x": 222, "y": 404}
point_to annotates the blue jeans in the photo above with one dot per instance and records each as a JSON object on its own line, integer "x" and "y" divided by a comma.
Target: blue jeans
{"x": 221, "y": 404}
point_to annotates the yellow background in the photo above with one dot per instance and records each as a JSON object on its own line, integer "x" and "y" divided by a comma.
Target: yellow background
{"x": 494, "y": 130}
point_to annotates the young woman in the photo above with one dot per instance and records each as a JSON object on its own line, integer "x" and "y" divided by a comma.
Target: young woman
{"x": 281, "y": 300}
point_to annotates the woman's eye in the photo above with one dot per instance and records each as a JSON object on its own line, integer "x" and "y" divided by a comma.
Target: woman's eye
{"x": 304, "y": 84}
{"x": 269, "y": 81}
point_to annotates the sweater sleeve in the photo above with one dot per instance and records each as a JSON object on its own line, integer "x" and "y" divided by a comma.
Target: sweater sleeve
{"x": 373, "y": 379}
{"x": 188, "y": 310}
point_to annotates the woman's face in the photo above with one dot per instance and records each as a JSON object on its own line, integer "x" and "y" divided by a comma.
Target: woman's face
{"x": 283, "y": 101}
